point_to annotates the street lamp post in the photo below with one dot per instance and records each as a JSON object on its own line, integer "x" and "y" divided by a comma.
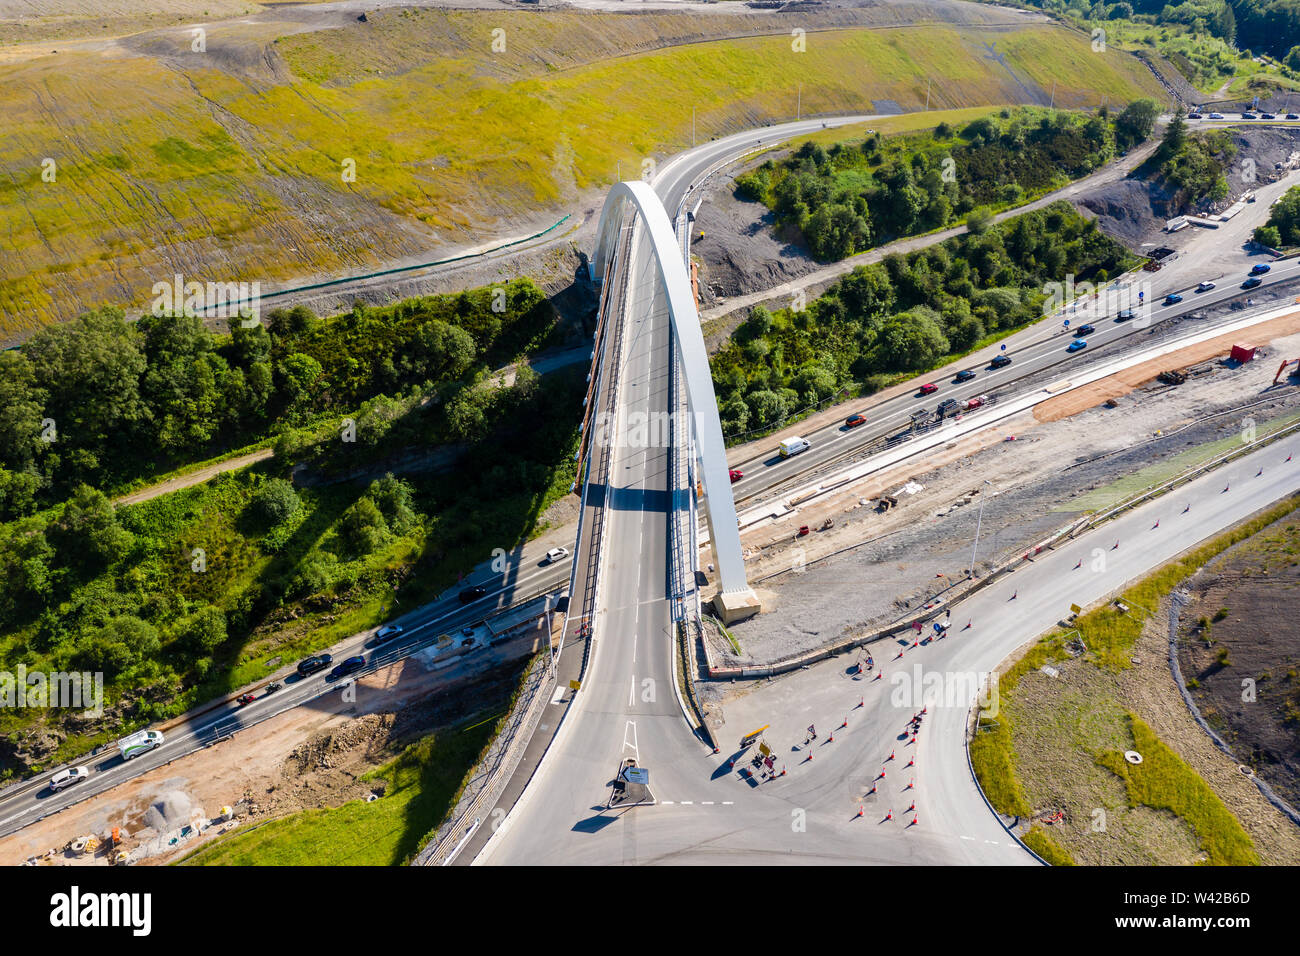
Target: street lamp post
{"x": 978, "y": 524}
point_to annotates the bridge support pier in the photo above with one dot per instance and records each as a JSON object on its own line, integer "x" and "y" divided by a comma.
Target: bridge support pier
{"x": 734, "y": 606}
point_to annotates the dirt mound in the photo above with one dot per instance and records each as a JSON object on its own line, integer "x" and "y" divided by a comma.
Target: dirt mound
{"x": 332, "y": 748}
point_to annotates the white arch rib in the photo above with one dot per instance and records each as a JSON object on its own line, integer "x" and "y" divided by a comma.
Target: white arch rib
{"x": 723, "y": 532}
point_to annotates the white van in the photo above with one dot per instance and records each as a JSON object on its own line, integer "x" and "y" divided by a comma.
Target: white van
{"x": 139, "y": 743}
{"x": 792, "y": 446}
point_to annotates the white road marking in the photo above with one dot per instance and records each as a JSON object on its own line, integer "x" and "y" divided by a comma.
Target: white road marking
{"x": 631, "y": 725}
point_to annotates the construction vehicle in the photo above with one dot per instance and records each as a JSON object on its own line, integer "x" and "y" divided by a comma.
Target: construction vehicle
{"x": 1174, "y": 376}
{"x": 886, "y": 502}
{"x": 1283, "y": 367}
{"x": 975, "y": 402}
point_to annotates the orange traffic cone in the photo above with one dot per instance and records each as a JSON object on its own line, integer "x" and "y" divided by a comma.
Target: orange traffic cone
{"x": 889, "y": 815}
{"x": 915, "y": 820}
{"x": 859, "y": 809}
{"x": 911, "y": 763}
{"x": 891, "y": 755}
{"x": 846, "y": 722}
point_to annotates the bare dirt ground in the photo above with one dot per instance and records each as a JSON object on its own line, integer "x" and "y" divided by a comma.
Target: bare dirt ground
{"x": 196, "y": 477}
{"x": 931, "y": 531}
{"x": 1238, "y": 627}
{"x": 311, "y": 756}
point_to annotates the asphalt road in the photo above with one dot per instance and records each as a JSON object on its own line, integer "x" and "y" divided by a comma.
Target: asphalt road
{"x": 709, "y": 813}
{"x": 1044, "y": 347}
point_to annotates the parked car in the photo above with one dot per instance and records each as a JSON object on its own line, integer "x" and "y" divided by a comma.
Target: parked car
{"x": 556, "y": 554}
{"x": 66, "y": 778}
{"x": 1078, "y": 345}
{"x": 929, "y": 388}
{"x": 1084, "y": 330}
{"x": 735, "y": 474}
{"x": 1260, "y": 268}
{"x": 470, "y": 595}
{"x": 1252, "y": 282}
{"x": 1000, "y": 361}
{"x": 387, "y": 633}
{"x": 310, "y": 665}
{"x": 349, "y": 666}
{"x": 1205, "y": 286}
{"x": 1173, "y": 298}
{"x": 965, "y": 375}
{"x": 853, "y": 421}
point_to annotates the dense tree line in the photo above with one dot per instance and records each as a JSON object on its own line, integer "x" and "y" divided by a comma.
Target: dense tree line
{"x": 99, "y": 400}
{"x": 850, "y": 197}
{"x": 1193, "y": 166}
{"x": 1283, "y": 227}
{"x": 905, "y": 314}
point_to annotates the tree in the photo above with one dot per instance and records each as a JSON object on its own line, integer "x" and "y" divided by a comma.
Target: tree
{"x": 834, "y": 231}
{"x": 1292, "y": 59}
{"x": 766, "y": 408}
{"x": 392, "y": 497}
{"x": 910, "y": 341}
{"x": 275, "y": 501}
{"x": 1135, "y": 123}
{"x": 362, "y": 528}
{"x": 204, "y": 631}
{"x": 88, "y": 531}
{"x": 299, "y": 386}
{"x": 979, "y": 220}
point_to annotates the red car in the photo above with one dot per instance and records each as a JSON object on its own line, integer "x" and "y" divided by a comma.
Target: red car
{"x": 853, "y": 421}
{"x": 929, "y": 388}
{"x": 736, "y": 474}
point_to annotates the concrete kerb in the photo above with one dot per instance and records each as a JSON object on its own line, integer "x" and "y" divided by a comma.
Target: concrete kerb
{"x": 972, "y": 727}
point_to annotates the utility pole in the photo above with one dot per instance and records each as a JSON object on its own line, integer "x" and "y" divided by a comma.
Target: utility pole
{"x": 927, "y": 96}
{"x": 978, "y": 524}
{"x": 692, "y": 127}
{"x": 1053, "y": 103}
{"x": 798, "y": 109}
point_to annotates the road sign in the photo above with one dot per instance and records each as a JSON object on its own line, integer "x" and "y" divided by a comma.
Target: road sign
{"x": 1076, "y": 609}
{"x": 575, "y": 685}
{"x": 637, "y": 775}
{"x": 1004, "y": 346}
{"x": 748, "y": 739}
{"x": 765, "y": 750}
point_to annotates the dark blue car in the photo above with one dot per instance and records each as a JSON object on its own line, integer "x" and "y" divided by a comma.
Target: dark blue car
{"x": 1260, "y": 268}
{"x": 348, "y": 666}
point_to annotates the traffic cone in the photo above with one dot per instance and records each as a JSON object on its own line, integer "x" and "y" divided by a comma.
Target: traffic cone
{"x": 910, "y": 763}
{"x": 889, "y": 814}
{"x": 1225, "y": 488}
{"x": 1156, "y": 525}
{"x": 912, "y": 807}
{"x": 731, "y": 764}
{"x": 891, "y": 755}
{"x": 872, "y": 790}
{"x": 968, "y": 624}
{"x": 882, "y": 774}
{"x": 900, "y": 654}
{"x": 862, "y": 702}
{"x": 1288, "y": 457}
{"x": 846, "y": 722}
{"x": 830, "y": 738}
{"x": 1014, "y": 595}
{"x": 879, "y": 674}
{"x": 915, "y": 820}
{"x": 925, "y": 710}
{"x": 1116, "y": 545}
{"x": 913, "y": 738}
{"x": 1187, "y": 509}
{"x": 914, "y": 644}
{"x": 1260, "y": 472}
{"x": 1079, "y": 565}
{"x": 809, "y": 757}
{"x": 911, "y": 784}
{"x": 859, "y": 809}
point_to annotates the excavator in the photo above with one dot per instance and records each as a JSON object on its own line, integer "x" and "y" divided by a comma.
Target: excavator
{"x": 1283, "y": 367}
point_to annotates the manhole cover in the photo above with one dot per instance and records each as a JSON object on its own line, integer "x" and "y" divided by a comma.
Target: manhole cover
{"x": 1132, "y": 756}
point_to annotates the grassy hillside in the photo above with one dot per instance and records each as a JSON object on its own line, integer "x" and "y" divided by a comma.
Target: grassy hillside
{"x": 227, "y": 165}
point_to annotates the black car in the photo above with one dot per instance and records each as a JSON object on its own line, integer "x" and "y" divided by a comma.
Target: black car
{"x": 965, "y": 375}
{"x": 470, "y": 595}
{"x": 311, "y": 665}
{"x": 1000, "y": 361}
{"x": 1124, "y": 315}
{"x": 1084, "y": 330}
{"x": 347, "y": 667}
{"x": 1252, "y": 282}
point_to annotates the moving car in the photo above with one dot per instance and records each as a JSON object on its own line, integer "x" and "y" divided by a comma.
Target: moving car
{"x": 793, "y": 446}
{"x": 1000, "y": 361}
{"x": 1252, "y": 282}
{"x": 965, "y": 375}
{"x": 387, "y": 633}
{"x": 1205, "y": 286}
{"x": 348, "y": 666}
{"x": 1124, "y": 315}
{"x": 1084, "y": 330}
{"x": 310, "y": 665}
{"x": 853, "y": 421}
{"x": 66, "y": 778}
{"x": 1173, "y": 298}
{"x": 1267, "y": 116}
{"x": 1260, "y": 268}
{"x": 470, "y": 595}
{"x": 140, "y": 742}
{"x": 929, "y": 388}
{"x": 556, "y": 554}
{"x": 1293, "y": 115}
{"x": 1077, "y": 345}
{"x": 1196, "y": 116}
{"x": 1216, "y": 116}
{"x": 1249, "y": 115}
{"x": 736, "y": 474}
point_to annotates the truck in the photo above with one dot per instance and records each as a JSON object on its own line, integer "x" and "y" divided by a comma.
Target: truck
{"x": 975, "y": 402}
{"x": 139, "y": 743}
{"x": 793, "y": 446}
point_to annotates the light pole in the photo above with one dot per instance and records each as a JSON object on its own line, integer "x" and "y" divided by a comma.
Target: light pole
{"x": 978, "y": 524}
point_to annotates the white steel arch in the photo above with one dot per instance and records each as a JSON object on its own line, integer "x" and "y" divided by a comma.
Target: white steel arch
{"x": 723, "y": 532}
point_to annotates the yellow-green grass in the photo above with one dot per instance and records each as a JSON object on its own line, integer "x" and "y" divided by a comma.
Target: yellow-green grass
{"x": 235, "y": 178}
{"x": 1115, "y": 492}
{"x": 1109, "y": 636}
{"x": 423, "y": 783}
{"x": 1041, "y": 842}
{"x": 1164, "y": 781}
